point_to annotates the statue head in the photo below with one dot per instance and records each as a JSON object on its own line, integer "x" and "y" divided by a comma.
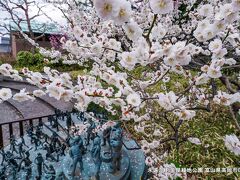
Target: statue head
{"x": 97, "y": 140}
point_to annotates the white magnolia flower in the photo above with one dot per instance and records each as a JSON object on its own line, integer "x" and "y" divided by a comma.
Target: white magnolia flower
{"x": 55, "y": 91}
{"x": 203, "y": 79}
{"x": 214, "y": 72}
{"x": 204, "y": 68}
{"x": 149, "y": 161}
{"x": 215, "y": 45}
{"x": 5, "y": 94}
{"x": 22, "y": 96}
{"x": 134, "y": 99}
{"x": 107, "y": 9}
{"x": 185, "y": 114}
{"x": 158, "y": 32}
{"x": 170, "y": 61}
{"x": 5, "y": 69}
{"x": 219, "y": 25}
{"x": 206, "y": 10}
{"x": 161, "y": 6}
{"x": 133, "y": 31}
{"x": 97, "y": 49}
{"x": 194, "y": 140}
{"x": 167, "y": 101}
{"x": 219, "y": 54}
{"x": 38, "y": 93}
{"x": 224, "y": 98}
{"x": 124, "y": 13}
{"x": 232, "y": 143}
{"x": 128, "y": 60}
{"x": 230, "y": 61}
{"x": 227, "y": 12}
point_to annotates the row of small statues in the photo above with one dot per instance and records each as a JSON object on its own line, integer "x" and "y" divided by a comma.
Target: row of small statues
{"x": 18, "y": 157}
{"x": 111, "y": 136}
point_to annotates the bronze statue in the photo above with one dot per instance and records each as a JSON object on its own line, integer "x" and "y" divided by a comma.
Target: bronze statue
{"x": 116, "y": 153}
{"x": 90, "y": 134}
{"x": 39, "y": 162}
{"x": 50, "y": 172}
{"x": 27, "y": 165}
{"x": 106, "y": 136}
{"x": 96, "y": 155}
{"x": 76, "y": 152}
{"x": 13, "y": 144}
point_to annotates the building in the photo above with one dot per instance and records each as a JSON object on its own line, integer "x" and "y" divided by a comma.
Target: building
{"x": 5, "y": 45}
{"x": 45, "y": 31}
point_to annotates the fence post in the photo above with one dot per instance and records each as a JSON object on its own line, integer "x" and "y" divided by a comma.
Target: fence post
{"x": 31, "y": 122}
{"x": 21, "y": 128}
{"x": 40, "y": 122}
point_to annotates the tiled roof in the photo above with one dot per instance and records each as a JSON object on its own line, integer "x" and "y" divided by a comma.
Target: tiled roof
{"x": 48, "y": 28}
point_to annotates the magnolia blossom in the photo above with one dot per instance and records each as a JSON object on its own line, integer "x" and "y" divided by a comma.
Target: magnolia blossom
{"x": 214, "y": 72}
{"x": 5, "y": 94}
{"x": 149, "y": 161}
{"x": 226, "y": 99}
{"x": 215, "y": 45}
{"x": 158, "y": 32}
{"x": 128, "y": 60}
{"x": 227, "y": 12}
{"x": 55, "y": 91}
{"x": 38, "y": 93}
{"x": 134, "y": 99}
{"x": 5, "y": 69}
{"x": 170, "y": 101}
{"x": 132, "y": 30}
{"x": 203, "y": 79}
{"x": 230, "y": 61}
{"x": 161, "y": 6}
{"x": 185, "y": 114}
{"x": 194, "y": 140}
{"x": 124, "y": 13}
{"x": 232, "y": 143}
{"x": 22, "y": 96}
{"x": 206, "y": 10}
{"x": 107, "y": 9}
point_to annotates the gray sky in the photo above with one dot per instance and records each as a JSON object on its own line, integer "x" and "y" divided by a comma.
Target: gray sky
{"x": 50, "y": 9}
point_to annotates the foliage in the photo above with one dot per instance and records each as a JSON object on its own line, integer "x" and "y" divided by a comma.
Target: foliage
{"x": 26, "y": 58}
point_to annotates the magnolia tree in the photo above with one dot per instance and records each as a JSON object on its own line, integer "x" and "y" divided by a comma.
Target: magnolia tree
{"x": 195, "y": 40}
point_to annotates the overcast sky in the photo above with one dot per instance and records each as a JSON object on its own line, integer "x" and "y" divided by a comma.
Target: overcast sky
{"x": 50, "y": 9}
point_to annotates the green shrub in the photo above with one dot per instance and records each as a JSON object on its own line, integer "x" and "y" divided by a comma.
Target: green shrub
{"x": 26, "y": 58}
